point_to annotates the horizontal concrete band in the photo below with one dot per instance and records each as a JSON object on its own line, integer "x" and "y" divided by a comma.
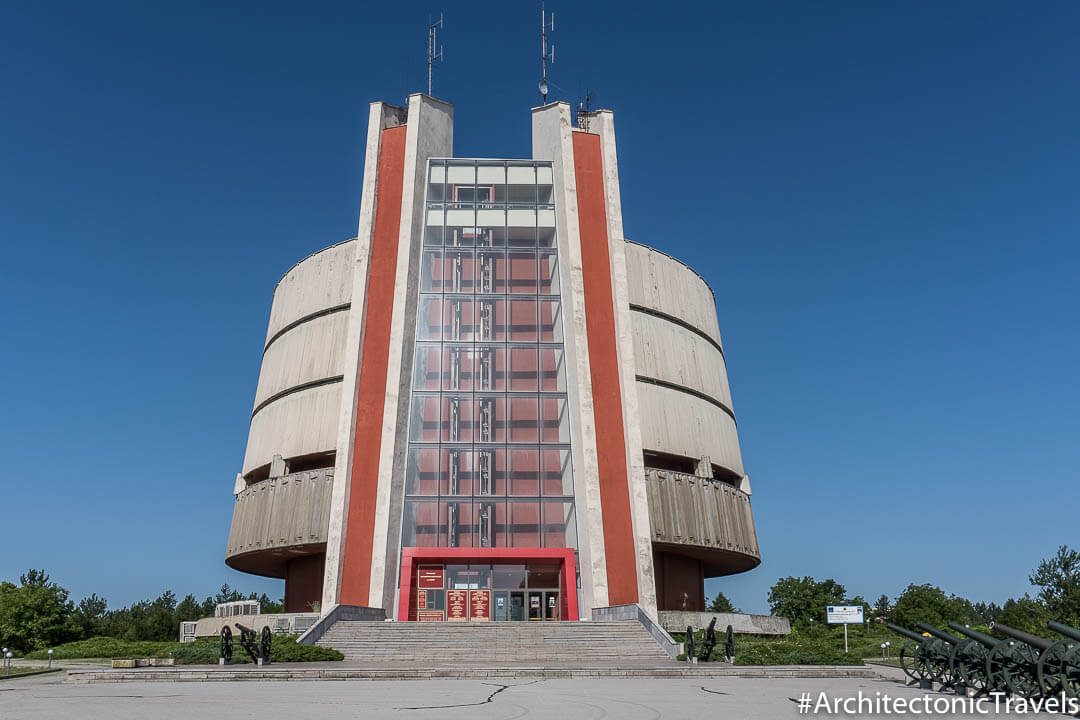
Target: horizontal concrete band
{"x": 295, "y": 389}
{"x": 279, "y": 514}
{"x": 688, "y": 391}
{"x": 306, "y": 319}
{"x": 677, "y": 321}
{"x": 702, "y": 518}
{"x": 299, "y": 673}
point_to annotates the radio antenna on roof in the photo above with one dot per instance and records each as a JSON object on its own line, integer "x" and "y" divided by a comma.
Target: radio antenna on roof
{"x": 547, "y": 55}
{"x": 432, "y": 56}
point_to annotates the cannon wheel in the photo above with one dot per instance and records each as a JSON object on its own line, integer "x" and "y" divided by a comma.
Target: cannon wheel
{"x": 1052, "y": 668}
{"x": 264, "y": 644}
{"x": 226, "y": 644}
{"x": 941, "y": 667}
{"x": 913, "y": 662}
{"x": 1012, "y": 666}
{"x": 968, "y": 664}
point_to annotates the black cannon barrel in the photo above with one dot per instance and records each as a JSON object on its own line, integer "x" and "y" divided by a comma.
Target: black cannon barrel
{"x": 909, "y": 634}
{"x": 940, "y": 634}
{"x": 1033, "y": 640}
{"x": 1063, "y": 629}
{"x": 981, "y": 638}
{"x": 241, "y": 628}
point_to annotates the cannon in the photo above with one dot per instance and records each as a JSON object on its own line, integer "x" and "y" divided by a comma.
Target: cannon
{"x": 967, "y": 658}
{"x": 924, "y": 659}
{"x": 691, "y": 646}
{"x": 1058, "y": 669}
{"x": 708, "y": 641}
{"x": 729, "y": 644}
{"x": 1016, "y": 660}
{"x": 225, "y": 654}
{"x": 257, "y": 645}
{"x": 970, "y": 657}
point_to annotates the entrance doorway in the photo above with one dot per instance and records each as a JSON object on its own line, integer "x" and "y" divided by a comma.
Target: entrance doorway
{"x": 484, "y": 591}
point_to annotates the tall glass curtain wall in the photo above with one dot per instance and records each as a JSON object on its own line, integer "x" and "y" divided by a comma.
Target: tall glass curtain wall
{"x": 489, "y": 430}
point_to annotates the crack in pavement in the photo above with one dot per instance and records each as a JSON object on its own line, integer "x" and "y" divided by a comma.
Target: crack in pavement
{"x": 484, "y": 702}
{"x": 714, "y": 692}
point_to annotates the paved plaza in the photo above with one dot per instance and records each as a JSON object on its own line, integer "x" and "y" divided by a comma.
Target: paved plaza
{"x": 48, "y": 698}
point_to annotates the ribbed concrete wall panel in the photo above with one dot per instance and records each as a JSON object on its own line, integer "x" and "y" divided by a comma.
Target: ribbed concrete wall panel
{"x": 672, "y": 353}
{"x": 320, "y": 281}
{"x": 679, "y": 423}
{"x": 309, "y": 352}
{"x": 282, "y": 512}
{"x": 662, "y": 283}
{"x": 700, "y": 513}
{"x": 302, "y": 423}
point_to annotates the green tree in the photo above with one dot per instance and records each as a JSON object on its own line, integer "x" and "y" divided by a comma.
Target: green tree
{"x": 1025, "y": 614}
{"x": 930, "y": 604}
{"x": 1058, "y": 580}
{"x": 802, "y": 600}
{"x": 35, "y": 614}
{"x": 89, "y": 616}
{"x": 720, "y": 604}
{"x": 881, "y": 608}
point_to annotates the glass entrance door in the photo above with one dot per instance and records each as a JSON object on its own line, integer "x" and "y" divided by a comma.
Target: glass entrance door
{"x": 536, "y": 605}
{"x": 551, "y": 605}
{"x": 517, "y": 606}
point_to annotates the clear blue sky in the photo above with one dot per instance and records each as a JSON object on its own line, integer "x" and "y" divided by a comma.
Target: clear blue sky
{"x": 884, "y": 198}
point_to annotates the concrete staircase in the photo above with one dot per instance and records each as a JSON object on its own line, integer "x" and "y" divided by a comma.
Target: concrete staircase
{"x": 494, "y": 644}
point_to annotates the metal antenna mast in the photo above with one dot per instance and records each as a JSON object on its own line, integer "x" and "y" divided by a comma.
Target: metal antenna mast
{"x": 432, "y": 56}
{"x": 547, "y": 55}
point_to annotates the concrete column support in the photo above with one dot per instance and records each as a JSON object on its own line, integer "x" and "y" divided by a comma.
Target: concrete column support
{"x": 552, "y": 140}
{"x": 429, "y": 133}
{"x": 380, "y": 117}
{"x": 602, "y": 123}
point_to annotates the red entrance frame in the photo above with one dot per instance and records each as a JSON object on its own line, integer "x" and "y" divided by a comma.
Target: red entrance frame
{"x": 413, "y": 556}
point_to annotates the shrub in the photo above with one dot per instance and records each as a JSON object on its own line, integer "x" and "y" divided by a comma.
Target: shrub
{"x": 201, "y": 652}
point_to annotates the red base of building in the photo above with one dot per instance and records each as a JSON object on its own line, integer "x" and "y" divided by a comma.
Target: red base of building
{"x": 431, "y": 589}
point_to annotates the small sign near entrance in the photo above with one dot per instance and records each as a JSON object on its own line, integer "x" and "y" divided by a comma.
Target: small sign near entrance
{"x": 479, "y": 604}
{"x": 429, "y": 616}
{"x": 457, "y": 605}
{"x": 430, "y": 578}
{"x": 844, "y": 614}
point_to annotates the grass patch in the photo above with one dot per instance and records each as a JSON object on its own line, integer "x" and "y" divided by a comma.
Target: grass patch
{"x": 15, "y": 672}
{"x": 821, "y": 646}
{"x": 201, "y": 652}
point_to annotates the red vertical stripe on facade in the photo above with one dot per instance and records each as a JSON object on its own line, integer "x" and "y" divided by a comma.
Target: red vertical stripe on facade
{"x": 604, "y": 369}
{"x": 371, "y": 384}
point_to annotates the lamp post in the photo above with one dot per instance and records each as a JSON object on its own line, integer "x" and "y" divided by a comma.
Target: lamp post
{"x": 888, "y": 650}
{"x": 9, "y": 655}
{"x": 50, "y": 658}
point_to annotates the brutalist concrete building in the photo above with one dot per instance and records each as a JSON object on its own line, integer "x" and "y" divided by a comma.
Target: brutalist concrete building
{"x": 490, "y": 405}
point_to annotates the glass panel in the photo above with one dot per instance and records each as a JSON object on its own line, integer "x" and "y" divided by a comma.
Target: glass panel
{"x": 552, "y": 370}
{"x": 554, "y": 420}
{"x": 524, "y": 523}
{"x": 559, "y": 525}
{"x": 458, "y": 274}
{"x": 524, "y": 424}
{"x": 523, "y": 320}
{"x": 458, "y": 478}
{"x": 457, "y": 318}
{"x": 523, "y": 370}
{"x": 458, "y": 418}
{"x": 459, "y": 523}
{"x": 490, "y": 419}
{"x": 436, "y": 183}
{"x": 490, "y": 472}
{"x": 458, "y": 367}
{"x": 431, "y": 271}
{"x": 549, "y": 273}
{"x": 433, "y": 232}
{"x": 420, "y": 526}
{"x": 551, "y": 321}
{"x": 522, "y": 273}
{"x": 491, "y": 228}
{"x": 461, "y": 173}
{"x": 543, "y": 575}
{"x": 556, "y": 476}
{"x": 525, "y": 471}
{"x": 545, "y": 237}
{"x": 460, "y": 228}
{"x": 424, "y": 419}
{"x": 490, "y": 319}
{"x": 490, "y": 272}
{"x": 424, "y": 471}
{"x": 490, "y": 368}
{"x": 520, "y": 228}
{"x": 544, "y": 189}
{"x": 521, "y": 185}
{"x": 508, "y": 577}
{"x": 426, "y": 367}
{"x": 429, "y": 318}
{"x": 487, "y": 516}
